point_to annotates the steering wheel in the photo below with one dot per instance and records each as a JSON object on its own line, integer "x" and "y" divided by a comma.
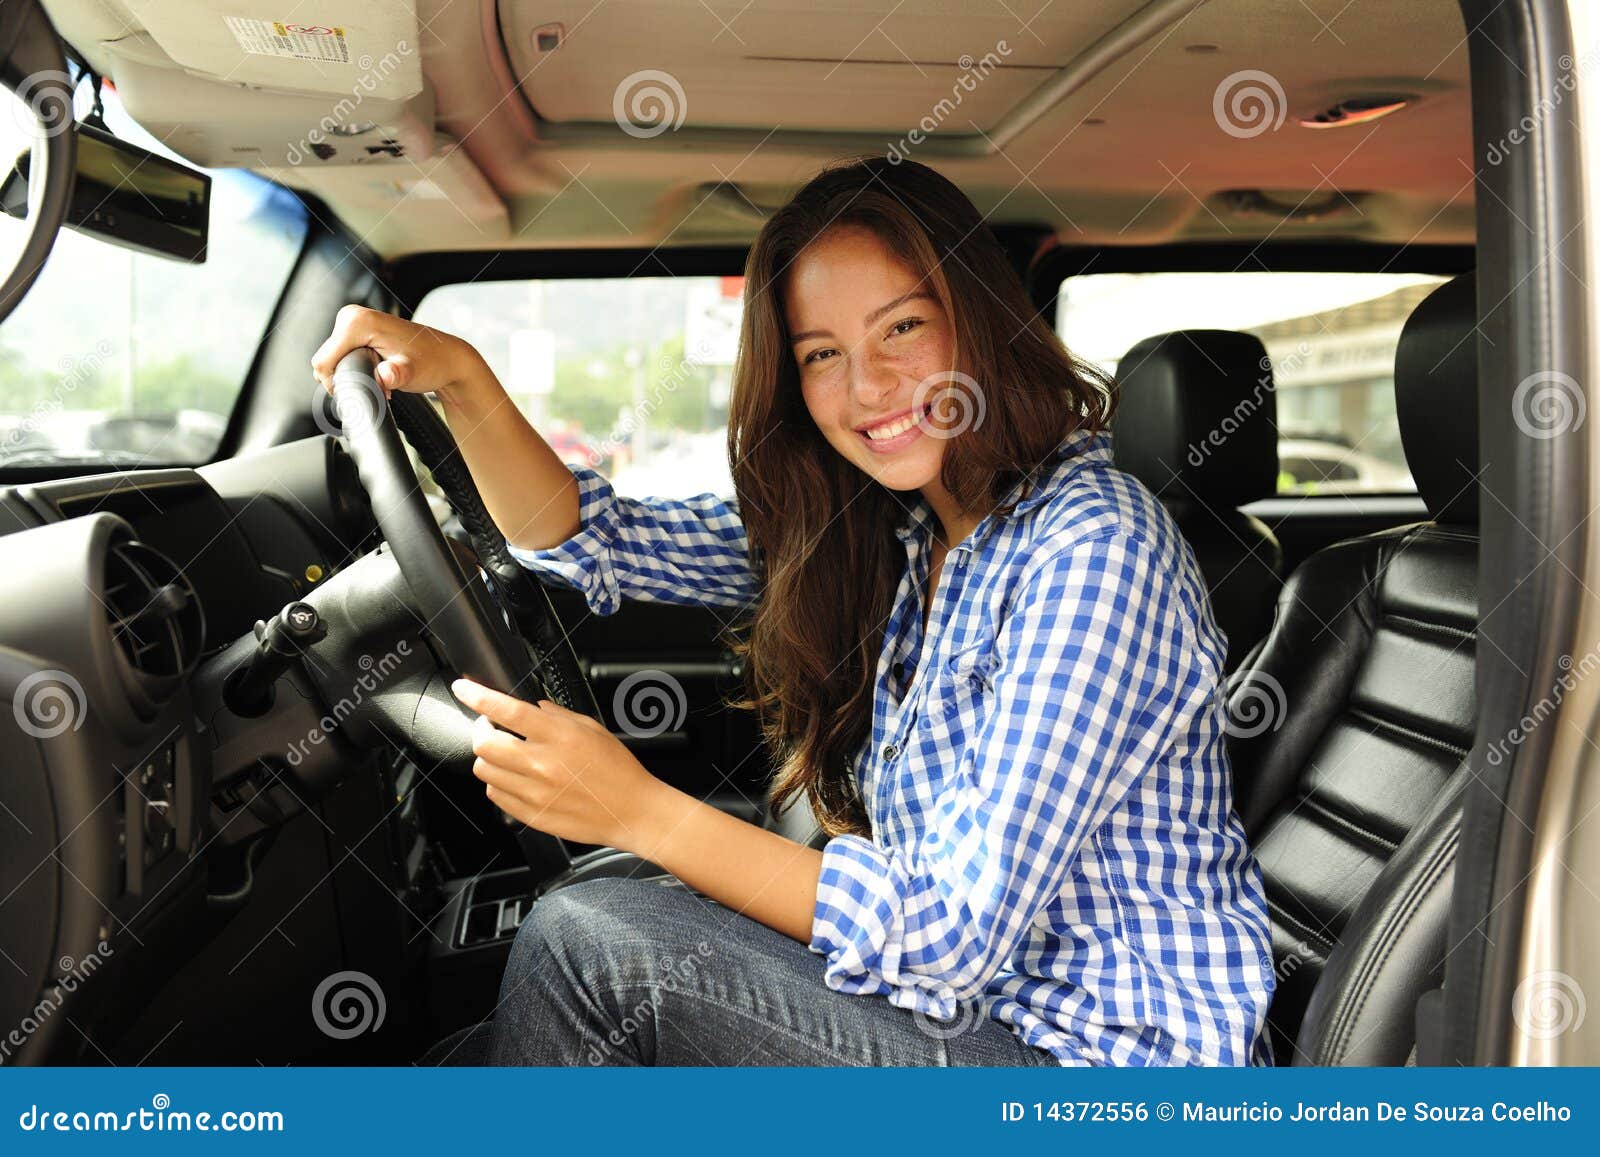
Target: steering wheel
{"x": 31, "y": 62}
{"x": 526, "y": 653}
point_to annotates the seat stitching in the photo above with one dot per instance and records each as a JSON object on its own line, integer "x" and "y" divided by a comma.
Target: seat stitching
{"x": 1301, "y": 925}
{"x": 1411, "y": 733}
{"x": 1328, "y": 813}
{"x": 1424, "y": 625}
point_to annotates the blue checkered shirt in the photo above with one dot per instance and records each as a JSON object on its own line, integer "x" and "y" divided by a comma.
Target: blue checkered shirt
{"x": 1054, "y": 839}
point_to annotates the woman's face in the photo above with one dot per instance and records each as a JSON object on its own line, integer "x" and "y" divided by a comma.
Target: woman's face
{"x": 868, "y": 336}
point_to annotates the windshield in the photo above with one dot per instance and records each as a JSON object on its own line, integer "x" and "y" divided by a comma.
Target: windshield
{"x": 130, "y": 359}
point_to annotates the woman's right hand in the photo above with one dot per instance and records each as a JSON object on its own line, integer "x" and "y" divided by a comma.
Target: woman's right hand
{"x": 412, "y": 357}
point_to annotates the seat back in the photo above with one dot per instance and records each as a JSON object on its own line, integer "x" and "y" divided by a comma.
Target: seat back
{"x": 1350, "y": 726}
{"x": 1196, "y": 422}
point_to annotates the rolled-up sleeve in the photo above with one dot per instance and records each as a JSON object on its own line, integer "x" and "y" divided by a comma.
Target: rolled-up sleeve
{"x": 1095, "y": 665}
{"x": 691, "y": 551}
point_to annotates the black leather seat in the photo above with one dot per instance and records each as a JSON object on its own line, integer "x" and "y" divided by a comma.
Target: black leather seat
{"x": 1196, "y": 422}
{"x": 1351, "y": 725}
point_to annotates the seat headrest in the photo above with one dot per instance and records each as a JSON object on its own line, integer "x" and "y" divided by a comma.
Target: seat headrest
{"x": 1197, "y": 417}
{"x": 1436, "y": 399}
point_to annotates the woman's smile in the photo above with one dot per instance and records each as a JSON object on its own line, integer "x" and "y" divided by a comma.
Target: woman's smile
{"x": 890, "y": 436}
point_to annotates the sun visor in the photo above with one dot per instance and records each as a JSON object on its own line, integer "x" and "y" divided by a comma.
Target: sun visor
{"x": 320, "y": 46}
{"x": 441, "y": 203}
{"x": 251, "y": 125}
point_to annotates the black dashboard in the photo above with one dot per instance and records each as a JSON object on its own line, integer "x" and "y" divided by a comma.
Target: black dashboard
{"x": 250, "y": 527}
{"x": 179, "y": 513}
{"x": 123, "y": 785}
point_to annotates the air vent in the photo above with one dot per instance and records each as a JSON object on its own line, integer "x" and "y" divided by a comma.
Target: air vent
{"x": 1355, "y": 110}
{"x": 155, "y": 619}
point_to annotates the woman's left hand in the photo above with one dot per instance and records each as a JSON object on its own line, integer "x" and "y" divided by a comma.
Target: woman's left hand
{"x": 569, "y": 776}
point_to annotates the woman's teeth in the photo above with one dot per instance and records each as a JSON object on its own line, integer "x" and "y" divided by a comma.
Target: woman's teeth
{"x": 895, "y": 429}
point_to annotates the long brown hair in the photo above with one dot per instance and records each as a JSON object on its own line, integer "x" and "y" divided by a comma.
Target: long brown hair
{"x": 821, "y": 530}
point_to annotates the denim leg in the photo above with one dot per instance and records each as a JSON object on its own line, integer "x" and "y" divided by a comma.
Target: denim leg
{"x": 629, "y": 972}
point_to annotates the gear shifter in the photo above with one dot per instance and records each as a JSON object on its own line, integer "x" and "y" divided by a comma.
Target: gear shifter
{"x": 247, "y": 691}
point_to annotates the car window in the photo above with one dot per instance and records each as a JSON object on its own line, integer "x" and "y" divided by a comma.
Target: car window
{"x": 1330, "y": 337}
{"x": 1318, "y": 469}
{"x": 132, "y": 359}
{"x": 629, "y": 376}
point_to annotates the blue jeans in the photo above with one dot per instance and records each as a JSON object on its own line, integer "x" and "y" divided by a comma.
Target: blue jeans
{"x": 630, "y": 972}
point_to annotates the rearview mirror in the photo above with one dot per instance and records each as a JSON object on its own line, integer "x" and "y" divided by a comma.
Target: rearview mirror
{"x": 128, "y": 196}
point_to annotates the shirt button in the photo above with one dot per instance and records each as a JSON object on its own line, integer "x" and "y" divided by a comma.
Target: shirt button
{"x": 890, "y": 751}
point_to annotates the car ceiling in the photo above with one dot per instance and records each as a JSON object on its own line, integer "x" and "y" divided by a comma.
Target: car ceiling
{"x": 576, "y": 123}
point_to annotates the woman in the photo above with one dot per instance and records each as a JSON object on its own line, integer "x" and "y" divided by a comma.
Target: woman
{"x": 985, "y": 656}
